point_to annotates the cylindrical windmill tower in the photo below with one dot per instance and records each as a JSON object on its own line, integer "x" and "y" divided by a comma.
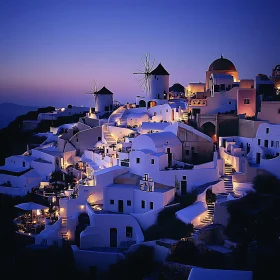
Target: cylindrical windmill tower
{"x": 159, "y": 81}
{"x": 103, "y": 100}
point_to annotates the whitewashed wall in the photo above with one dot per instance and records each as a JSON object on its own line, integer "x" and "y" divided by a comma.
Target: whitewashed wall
{"x": 99, "y": 234}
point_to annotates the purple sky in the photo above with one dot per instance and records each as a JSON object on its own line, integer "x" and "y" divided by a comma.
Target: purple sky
{"x": 51, "y": 51}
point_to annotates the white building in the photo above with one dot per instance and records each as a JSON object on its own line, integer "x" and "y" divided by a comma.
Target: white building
{"x": 103, "y": 101}
{"x": 62, "y": 112}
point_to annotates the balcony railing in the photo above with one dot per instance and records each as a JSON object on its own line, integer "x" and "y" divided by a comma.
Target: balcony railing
{"x": 198, "y": 102}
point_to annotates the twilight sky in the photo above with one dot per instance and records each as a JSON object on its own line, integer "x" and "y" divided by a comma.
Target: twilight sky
{"x": 52, "y": 50}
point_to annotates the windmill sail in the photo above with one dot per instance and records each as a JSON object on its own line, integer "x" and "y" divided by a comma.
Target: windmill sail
{"x": 145, "y": 80}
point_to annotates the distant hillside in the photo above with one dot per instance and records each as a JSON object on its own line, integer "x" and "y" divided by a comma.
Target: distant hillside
{"x": 10, "y": 111}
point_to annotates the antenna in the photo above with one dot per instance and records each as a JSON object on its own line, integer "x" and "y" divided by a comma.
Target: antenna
{"x": 146, "y": 72}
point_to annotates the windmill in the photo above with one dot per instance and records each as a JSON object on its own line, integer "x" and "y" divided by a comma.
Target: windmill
{"x": 94, "y": 90}
{"x": 146, "y": 72}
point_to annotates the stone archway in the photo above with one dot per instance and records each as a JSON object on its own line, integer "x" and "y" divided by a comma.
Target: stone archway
{"x": 209, "y": 129}
{"x": 142, "y": 103}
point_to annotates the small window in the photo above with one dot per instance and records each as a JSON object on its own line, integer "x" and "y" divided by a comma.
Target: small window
{"x": 152, "y": 161}
{"x": 128, "y": 202}
{"x": 99, "y": 138}
{"x": 216, "y": 88}
{"x": 155, "y": 113}
{"x": 129, "y": 232}
{"x": 138, "y": 160}
{"x": 107, "y": 151}
{"x": 143, "y": 204}
{"x": 166, "y": 110}
{"x": 267, "y": 130}
{"x": 77, "y": 140}
{"x": 266, "y": 143}
{"x": 111, "y": 201}
{"x": 187, "y": 152}
{"x": 272, "y": 143}
{"x": 184, "y": 178}
{"x": 229, "y": 102}
{"x": 259, "y": 142}
{"x": 277, "y": 144}
{"x": 246, "y": 100}
{"x": 23, "y": 164}
{"x": 151, "y": 205}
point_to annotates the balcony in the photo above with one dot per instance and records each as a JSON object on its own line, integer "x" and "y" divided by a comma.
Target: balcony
{"x": 198, "y": 102}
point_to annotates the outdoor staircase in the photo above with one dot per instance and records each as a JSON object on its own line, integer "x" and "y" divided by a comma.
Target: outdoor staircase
{"x": 63, "y": 228}
{"x": 210, "y": 214}
{"x": 108, "y": 136}
{"x": 208, "y": 219}
{"x": 185, "y": 116}
{"x": 228, "y": 178}
{"x": 116, "y": 115}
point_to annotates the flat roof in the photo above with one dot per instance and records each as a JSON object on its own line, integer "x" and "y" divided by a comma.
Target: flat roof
{"x": 24, "y": 157}
{"x": 219, "y": 248}
{"x": 130, "y": 186}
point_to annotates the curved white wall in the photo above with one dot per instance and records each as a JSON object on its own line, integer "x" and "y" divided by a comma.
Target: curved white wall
{"x": 159, "y": 85}
{"x": 103, "y": 100}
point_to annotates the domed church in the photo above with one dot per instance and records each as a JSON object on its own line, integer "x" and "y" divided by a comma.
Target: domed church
{"x": 221, "y": 66}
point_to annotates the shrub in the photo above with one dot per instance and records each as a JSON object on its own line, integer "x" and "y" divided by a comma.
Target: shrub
{"x": 210, "y": 196}
{"x": 266, "y": 184}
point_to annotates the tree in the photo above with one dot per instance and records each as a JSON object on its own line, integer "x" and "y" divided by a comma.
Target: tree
{"x": 166, "y": 224}
{"x": 185, "y": 252}
{"x": 210, "y": 196}
{"x": 266, "y": 184}
{"x": 136, "y": 265}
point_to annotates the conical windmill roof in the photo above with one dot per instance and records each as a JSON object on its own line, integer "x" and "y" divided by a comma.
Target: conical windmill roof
{"x": 159, "y": 71}
{"x": 104, "y": 90}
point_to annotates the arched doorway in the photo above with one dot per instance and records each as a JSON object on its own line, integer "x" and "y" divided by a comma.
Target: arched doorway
{"x": 152, "y": 104}
{"x": 209, "y": 129}
{"x": 83, "y": 222}
{"x": 142, "y": 103}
